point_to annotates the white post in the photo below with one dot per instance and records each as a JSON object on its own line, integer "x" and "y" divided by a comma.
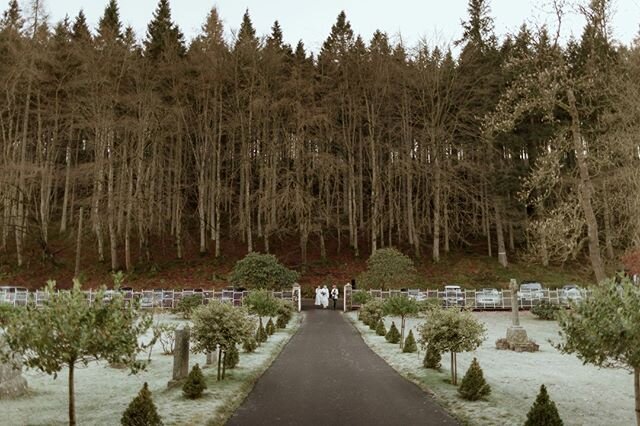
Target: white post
{"x": 346, "y": 288}
{"x": 297, "y": 294}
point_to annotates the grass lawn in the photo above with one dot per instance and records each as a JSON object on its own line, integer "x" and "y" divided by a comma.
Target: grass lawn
{"x": 584, "y": 394}
{"x": 103, "y": 393}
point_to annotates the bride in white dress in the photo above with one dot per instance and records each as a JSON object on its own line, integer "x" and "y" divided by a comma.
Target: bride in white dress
{"x": 318, "y": 298}
{"x": 324, "y": 296}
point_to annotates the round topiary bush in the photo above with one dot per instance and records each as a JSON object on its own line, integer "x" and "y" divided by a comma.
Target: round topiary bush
{"x": 249, "y": 345}
{"x": 473, "y": 385}
{"x": 371, "y": 312}
{"x": 432, "y": 358}
{"x": 231, "y": 357}
{"x": 410, "y": 344}
{"x": 389, "y": 268}
{"x": 142, "y": 410}
{"x": 262, "y": 271}
{"x": 545, "y": 310}
{"x": 195, "y": 384}
{"x": 381, "y": 329}
{"x": 393, "y": 335}
{"x": 270, "y": 328}
{"x": 543, "y": 411}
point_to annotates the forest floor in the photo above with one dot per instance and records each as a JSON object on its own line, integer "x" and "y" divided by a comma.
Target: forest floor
{"x": 584, "y": 394}
{"x": 470, "y": 268}
{"x": 103, "y": 393}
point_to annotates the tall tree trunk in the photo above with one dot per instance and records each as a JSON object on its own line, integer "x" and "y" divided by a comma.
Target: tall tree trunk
{"x": 436, "y": 211}
{"x": 72, "y": 397}
{"x": 67, "y": 185}
{"x": 79, "y": 243}
{"x": 585, "y": 189}
{"x": 502, "y": 251}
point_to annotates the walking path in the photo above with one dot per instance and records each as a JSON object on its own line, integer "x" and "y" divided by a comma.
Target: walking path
{"x": 327, "y": 375}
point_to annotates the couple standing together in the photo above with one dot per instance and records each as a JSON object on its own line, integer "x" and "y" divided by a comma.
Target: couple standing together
{"x": 323, "y": 294}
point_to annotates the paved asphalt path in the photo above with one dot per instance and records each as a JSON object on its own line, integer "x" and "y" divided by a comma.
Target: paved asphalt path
{"x": 327, "y": 375}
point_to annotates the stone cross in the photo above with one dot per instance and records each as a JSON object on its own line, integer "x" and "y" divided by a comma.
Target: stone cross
{"x": 180, "y": 356}
{"x": 515, "y": 318}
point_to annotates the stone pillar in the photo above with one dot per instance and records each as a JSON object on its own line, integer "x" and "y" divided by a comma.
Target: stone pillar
{"x": 346, "y": 294}
{"x": 12, "y": 384}
{"x": 297, "y": 296}
{"x": 180, "y": 356}
{"x": 515, "y": 316}
{"x": 516, "y": 335}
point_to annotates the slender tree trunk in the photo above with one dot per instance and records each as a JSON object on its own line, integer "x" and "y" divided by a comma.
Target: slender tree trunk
{"x": 585, "y": 189}
{"x": 79, "y": 243}
{"x": 72, "y": 398}
{"x": 636, "y": 388}
{"x": 67, "y": 185}
{"x": 502, "y": 251}
{"x": 436, "y": 212}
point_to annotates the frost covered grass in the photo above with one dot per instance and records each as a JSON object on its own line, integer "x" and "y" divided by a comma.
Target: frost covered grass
{"x": 103, "y": 393}
{"x": 584, "y": 394}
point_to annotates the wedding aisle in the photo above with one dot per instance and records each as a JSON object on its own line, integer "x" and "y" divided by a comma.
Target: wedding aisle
{"x": 327, "y": 375}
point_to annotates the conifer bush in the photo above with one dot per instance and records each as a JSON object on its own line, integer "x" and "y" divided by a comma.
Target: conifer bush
{"x": 281, "y": 322}
{"x": 195, "y": 384}
{"x": 543, "y": 412}
{"x": 473, "y": 386}
{"x": 249, "y": 345}
{"x": 432, "y": 358}
{"x": 393, "y": 335}
{"x": 261, "y": 334}
{"x": 142, "y": 410}
{"x": 270, "y": 328}
{"x": 410, "y": 344}
{"x": 232, "y": 357}
{"x": 381, "y": 329}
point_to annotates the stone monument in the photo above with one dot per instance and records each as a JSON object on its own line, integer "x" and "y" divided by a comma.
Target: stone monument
{"x": 12, "y": 384}
{"x": 517, "y": 339}
{"x": 180, "y": 357}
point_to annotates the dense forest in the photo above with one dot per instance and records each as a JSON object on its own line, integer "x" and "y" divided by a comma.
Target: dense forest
{"x": 112, "y": 141}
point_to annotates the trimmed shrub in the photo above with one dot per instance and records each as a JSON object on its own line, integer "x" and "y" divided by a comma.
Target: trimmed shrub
{"x": 232, "y": 357}
{"x": 195, "y": 384}
{"x": 432, "y": 358}
{"x": 410, "y": 344}
{"x": 545, "y": 310}
{"x": 187, "y": 304}
{"x": 141, "y": 411}
{"x": 281, "y": 322}
{"x": 261, "y": 334}
{"x": 250, "y": 345}
{"x": 473, "y": 385}
{"x": 393, "y": 335}
{"x": 543, "y": 412}
{"x": 381, "y": 329}
{"x": 270, "y": 328}
{"x": 262, "y": 271}
{"x": 372, "y": 312}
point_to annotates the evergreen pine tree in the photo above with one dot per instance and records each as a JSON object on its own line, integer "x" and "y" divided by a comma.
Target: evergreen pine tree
{"x": 232, "y": 357}
{"x": 410, "y": 344}
{"x": 164, "y": 38}
{"x": 142, "y": 410}
{"x": 393, "y": 335}
{"x": 473, "y": 385}
{"x": 109, "y": 26}
{"x": 380, "y": 328}
{"x": 195, "y": 384}
{"x": 270, "y": 328}
{"x": 543, "y": 412}
{"x": 432, "y": 358}
{"x": 11, "y": 18}
{"x": 80, "y": 30}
